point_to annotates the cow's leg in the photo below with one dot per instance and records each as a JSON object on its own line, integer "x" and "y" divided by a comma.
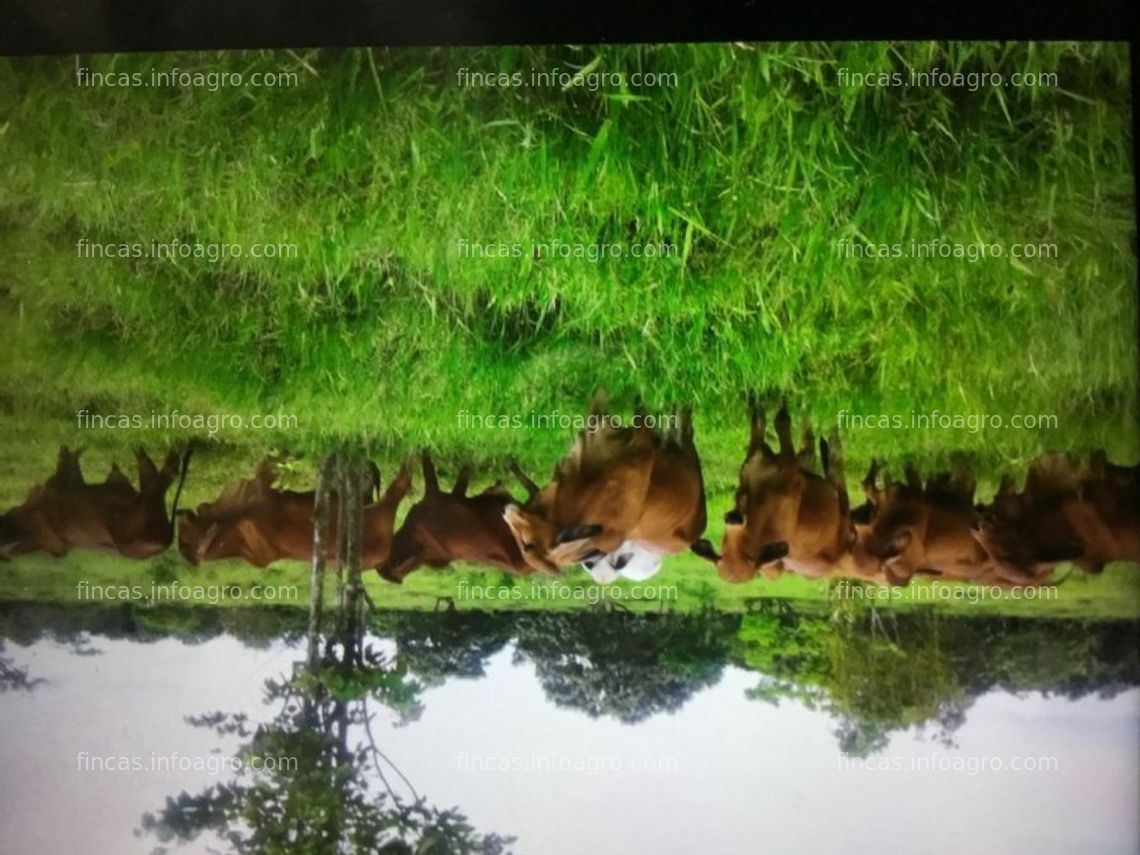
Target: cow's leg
{"x": 431, "y": 481}
{"x": 266, "y": 471}
{"x": 836, "y": 471}
{"x": 806, "y": 455}
{"x": 1005, "y": 488}
{"x": 148, "y": 473}
{"x": 870, "y": 483}
{"x": 685, "y": 426}
{"x": 598, "y": 403}
{"x": 400, "y": 487}
{"x": 913, "y": 479}
{"x": 168, "y": 474}
{"x": 758, "y": 441}
{"x": 1005, "y": 506}
{"x": 939, "y": 482}
{"x": 784, "y": 432}
{"x": 117, "y": 478}
{"x": 865, "y": 513}
{"x": 67, "y": 471}
{"x": 461, "y": 481}
{"x": 1098, "y": 465}
{"x": 152, "y": 479}
{"x": 371, "y": 482}
{"x": 964, "y": 485}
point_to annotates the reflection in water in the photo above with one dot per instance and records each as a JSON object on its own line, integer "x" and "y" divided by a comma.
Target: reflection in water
{"x": 380, "y": 738}
{"x": 879, "y": 674}
{"x": 13, "y": 678}
{"x": 626, "y": 666}
{"x": 314, "y": 786}
{"x": 623, "y": 498}
{"x": 874, "y": 673}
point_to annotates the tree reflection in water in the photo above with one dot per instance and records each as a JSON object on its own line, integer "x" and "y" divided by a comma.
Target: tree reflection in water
{"x": 880, "y": 673}
{"x": 318, "y": 794}
{"x": 628, "y": 666}
{"x": 328, "y": 800}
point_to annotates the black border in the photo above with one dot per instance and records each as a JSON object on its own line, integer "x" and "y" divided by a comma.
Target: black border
{"x": 96, "y": 26}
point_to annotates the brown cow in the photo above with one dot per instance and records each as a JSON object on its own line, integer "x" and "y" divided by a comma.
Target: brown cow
{"x": 259, "y": 523}
{"x": 594, "y": 500}
{"x": 1086, "y": 514}
{"x": 786, "y": 516}
{"x": 445, "y": 527}
{"x": 66, "y": 513}
{"x": 926, "y": 529}
{"x": 673, "y": 517}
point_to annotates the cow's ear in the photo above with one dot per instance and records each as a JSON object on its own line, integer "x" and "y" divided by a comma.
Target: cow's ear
{"x": 576, "y": 532}
{"x": 705, "y": 550}
{"x": 512, "y": 513}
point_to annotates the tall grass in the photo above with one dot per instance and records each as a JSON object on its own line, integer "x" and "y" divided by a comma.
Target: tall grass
{"x": 754, "y": 165}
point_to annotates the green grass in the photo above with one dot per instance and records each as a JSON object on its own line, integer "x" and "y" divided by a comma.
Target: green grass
{"x": 753, "y": 166}
{"x": 684, "y": 584}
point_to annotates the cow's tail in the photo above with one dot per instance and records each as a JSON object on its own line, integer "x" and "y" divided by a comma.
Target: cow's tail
{"x": 181, "y": 480}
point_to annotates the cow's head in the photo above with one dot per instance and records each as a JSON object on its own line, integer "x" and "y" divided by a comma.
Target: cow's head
{"x": 406, "y": 555}
{"x": 739, "y": 559}
{"x": 397, "y": 567}
{"x": 573, "y": 544}
{"x": 201, "y": 540}
{"x": 535, "y": 536}
{"x": 883, "y": 543}
{"x": 892, "y": 530}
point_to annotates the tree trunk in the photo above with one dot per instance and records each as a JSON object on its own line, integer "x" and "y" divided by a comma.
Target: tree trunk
{"x": 317, "y": 579}
{"x": 351, "y": 501}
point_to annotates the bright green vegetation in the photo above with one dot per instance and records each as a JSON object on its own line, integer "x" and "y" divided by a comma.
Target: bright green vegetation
{"x": 685, "y": 584}
{"x": 754, "y": 166}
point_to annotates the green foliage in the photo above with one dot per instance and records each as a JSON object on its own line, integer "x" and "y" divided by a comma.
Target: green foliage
{"x": 754, "y": 165}
{"x": 622, "y": 665}
{"x": 878, "y": 673}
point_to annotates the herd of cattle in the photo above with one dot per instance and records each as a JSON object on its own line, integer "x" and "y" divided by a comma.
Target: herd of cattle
{"x": 621, "y": 500}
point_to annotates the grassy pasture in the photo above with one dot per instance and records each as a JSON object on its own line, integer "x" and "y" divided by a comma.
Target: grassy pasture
{"x": 382, "y": 332}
